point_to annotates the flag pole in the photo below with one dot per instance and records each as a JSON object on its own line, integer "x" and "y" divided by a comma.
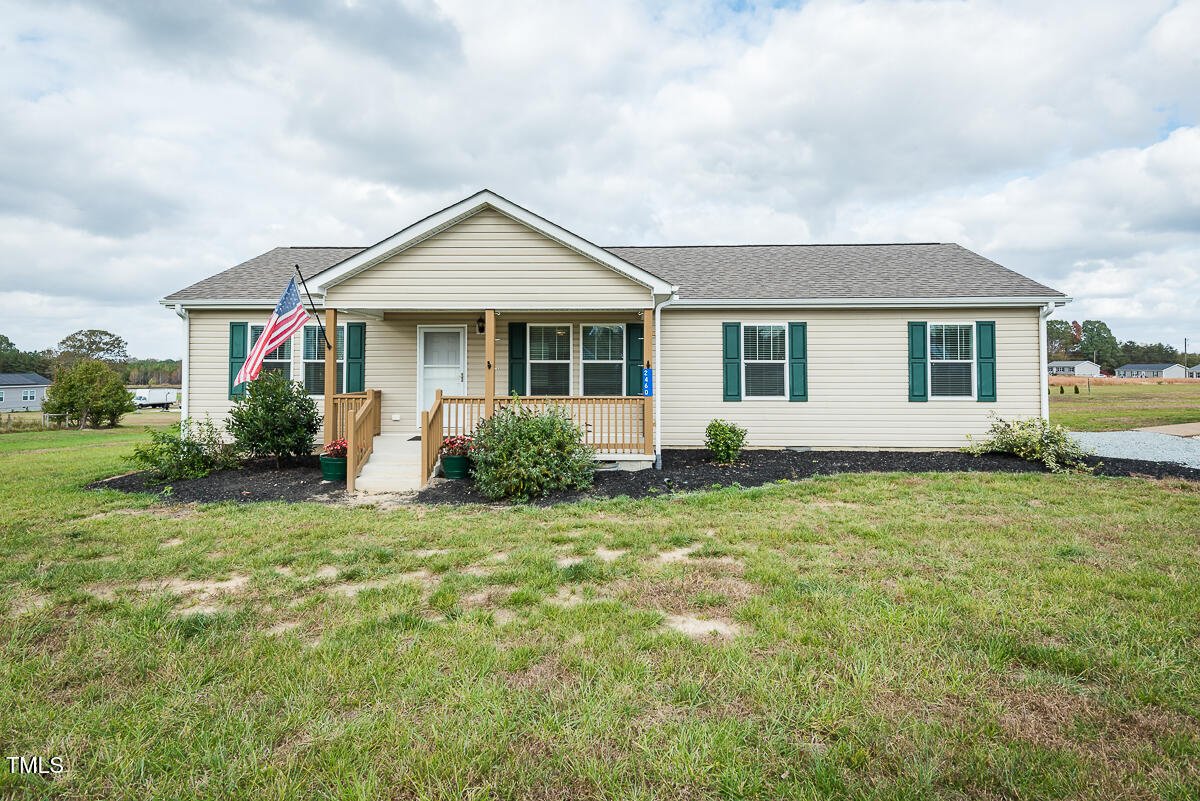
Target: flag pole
{"x": 313, "y": 309}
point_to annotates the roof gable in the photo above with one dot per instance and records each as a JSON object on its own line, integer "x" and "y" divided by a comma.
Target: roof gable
{"x": 452, "y": 215}
{"x": 23, "y": 380}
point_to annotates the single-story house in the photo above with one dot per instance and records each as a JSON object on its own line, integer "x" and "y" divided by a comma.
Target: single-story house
{"x": 22, "y": 392}
{"x": 1163, "y": 370}
{"x": 822, "y": 346}
{"x": 1194, "y": 371}
{"x": 1085, "y": 368}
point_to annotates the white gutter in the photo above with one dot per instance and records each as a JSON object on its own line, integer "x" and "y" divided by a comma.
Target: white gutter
{"x": 658, "y": 382}
{"x": 187, "y": 346}
{"x": 1046, "y": 311}
{"x": 862, "y": 303}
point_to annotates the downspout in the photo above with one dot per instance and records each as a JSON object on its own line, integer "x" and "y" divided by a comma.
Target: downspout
{"x": 1045, "y": 312}
{"x": 187, "y": 346}
{"x": 658, "y": 382}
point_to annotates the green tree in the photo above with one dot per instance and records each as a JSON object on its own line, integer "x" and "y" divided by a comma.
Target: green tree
{"x": 89, "y": 392}
{"x": 15, "y": 360}
{"x": 1099, "y": 345}
{"x": 93, "y": 343}
{"x": 1060, "y": 339}
{"x": 275, "y": 417}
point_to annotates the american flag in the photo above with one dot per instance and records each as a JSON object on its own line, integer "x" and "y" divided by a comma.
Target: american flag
{"x": 288, "y": 318}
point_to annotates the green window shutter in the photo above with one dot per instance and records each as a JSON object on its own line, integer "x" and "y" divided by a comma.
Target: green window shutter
{"x": 239, "y": 338}
{"x": 798, "y": 361}
{"x": 356, "y": 357}
{"x": 918, "y": 362}
{"x": 985, "y": 360}
{"x": 731, "y": 345}
{"x": 635, "y": 356}
{"x": 516, "y": 358}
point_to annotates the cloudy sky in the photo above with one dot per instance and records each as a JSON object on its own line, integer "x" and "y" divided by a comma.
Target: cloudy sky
{"x": 146, "y": 145}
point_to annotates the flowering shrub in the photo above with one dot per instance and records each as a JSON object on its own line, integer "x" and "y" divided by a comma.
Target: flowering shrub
{"x": 724, "y": 440}
{"x": 1034, "y": 440}
{"x": 336, "y": 449}
{"x": 457, "y": 446}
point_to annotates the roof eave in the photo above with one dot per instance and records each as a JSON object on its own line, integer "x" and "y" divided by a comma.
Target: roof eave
{"x": 869, "y": 303}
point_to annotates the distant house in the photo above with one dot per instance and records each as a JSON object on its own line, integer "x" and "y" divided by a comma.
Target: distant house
{"x": 1194, "y": 371}
{"x": 22, "y": 392}
{"x": 1163, "y": 370}
{"x": 1074, "y": 368}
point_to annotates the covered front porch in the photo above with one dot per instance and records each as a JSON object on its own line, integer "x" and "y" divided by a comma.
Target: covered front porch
{"x": 428, "y": 375}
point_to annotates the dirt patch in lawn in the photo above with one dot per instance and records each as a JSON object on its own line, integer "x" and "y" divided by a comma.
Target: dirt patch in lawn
{"x": 254, "y": 481}
{"x": 690, "y": 470}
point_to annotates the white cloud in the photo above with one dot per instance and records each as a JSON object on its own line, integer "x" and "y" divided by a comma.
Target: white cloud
{"x": 146, "y": 149}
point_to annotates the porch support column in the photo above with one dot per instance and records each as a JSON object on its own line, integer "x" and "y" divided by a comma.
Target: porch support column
{"x": 489, "y": 355}
{"x": 648, "y": 402}
{"x": 331, "y": 422}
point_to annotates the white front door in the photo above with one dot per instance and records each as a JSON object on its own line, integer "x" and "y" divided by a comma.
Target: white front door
{"x": 442, "y": 363}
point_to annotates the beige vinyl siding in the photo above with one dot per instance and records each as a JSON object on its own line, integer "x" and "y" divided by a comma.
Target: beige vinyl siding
{"x": 208, "y": 358}
{"x": 857, "y": 380}
{"x": 488, "y": 261}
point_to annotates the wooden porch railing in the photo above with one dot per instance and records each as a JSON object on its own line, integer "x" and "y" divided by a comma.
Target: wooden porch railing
{"x": 362, "y": 426}
{"x": 345, "y": 405}
{"x": 610, "y": 423}
{"x": 431, "y": 436}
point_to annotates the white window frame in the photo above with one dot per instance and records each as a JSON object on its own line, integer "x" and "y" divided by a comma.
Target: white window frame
{"x": 787, "y": 389}
{"x": 570, "y": 361}
{"x": 1, "y": 396}
{"x": 28, "y": 394}
{"x": 290, "y": 360}
{"x": 974, "y": 360}
{"x": 305, "y": 362}
{"x": 623, "y": 361}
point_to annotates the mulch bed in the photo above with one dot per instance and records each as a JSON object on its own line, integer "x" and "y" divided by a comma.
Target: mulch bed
{"x": 690, "y": 470}
{"x": 683, "y": 471}
{"x": 256, "y": 481}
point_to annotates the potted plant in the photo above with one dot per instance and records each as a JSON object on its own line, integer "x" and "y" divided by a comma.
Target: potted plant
{"x": 456, "y": 456}
{"x": 333, "y": 460}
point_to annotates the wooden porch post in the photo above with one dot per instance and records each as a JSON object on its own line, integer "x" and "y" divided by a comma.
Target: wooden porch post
{"x": 331, "y": 422}
{"x": 648, "y": 353}
{"x": 489, "y": 373}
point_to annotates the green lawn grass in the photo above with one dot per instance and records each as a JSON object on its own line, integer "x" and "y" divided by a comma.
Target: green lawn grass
{"x": 898, "y": 636}
{"x": 1120, "y": 407}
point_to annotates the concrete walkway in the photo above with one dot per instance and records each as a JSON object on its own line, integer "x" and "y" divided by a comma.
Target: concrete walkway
{"x": 394, "y": 466}
{"x": 1178, "y": 429}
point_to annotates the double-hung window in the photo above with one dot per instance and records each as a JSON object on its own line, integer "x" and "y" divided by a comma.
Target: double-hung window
{"x": 549, "y": 359}
{"x": 764, "y": 360}
{"x": 278, "y": 360}
{"x": 28, "y": 394}
{"x": 314, "y": 360}
{"x": 951, "y": 360}
{"x": 603, "y": 359}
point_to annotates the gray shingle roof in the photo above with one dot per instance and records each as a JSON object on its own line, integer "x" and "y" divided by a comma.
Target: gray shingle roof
{"x": 713, "y": 272}
{"x": 1162, "y": 366}
{"x": 23, "y": 380}
{"x": 1068, "y": 364}
{"x": 831, "y": 271}
{"x": 265, "y": 276}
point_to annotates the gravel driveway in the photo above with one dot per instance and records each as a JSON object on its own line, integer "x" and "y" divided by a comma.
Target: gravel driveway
{"x": 1141, "y": 445}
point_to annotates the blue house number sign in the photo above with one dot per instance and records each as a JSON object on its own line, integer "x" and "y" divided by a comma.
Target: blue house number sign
{"x": 647, "y": 382}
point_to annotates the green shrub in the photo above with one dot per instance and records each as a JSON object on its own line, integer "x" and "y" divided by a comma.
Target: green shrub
{"x": 724, "y": 440}
{"x": 189, "y": 449}
{"x": 1062, "y": 390}
{"x": 1035, "y": 440}
{"x": 1076, "y": 389}
{"x": 89, "y": 393}
{"x": 275, "y": 417}
{"x": 522, "y": 454}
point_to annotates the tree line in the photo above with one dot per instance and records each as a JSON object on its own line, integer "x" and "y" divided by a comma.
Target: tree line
{"x": 94, "y": 344}
{"x": 1092, "y": 340}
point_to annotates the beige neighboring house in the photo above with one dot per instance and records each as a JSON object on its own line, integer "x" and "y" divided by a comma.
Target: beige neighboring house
{"x": 821, "y": 346}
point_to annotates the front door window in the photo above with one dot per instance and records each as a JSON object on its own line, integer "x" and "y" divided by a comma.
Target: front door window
{"x": 442, "y": 364}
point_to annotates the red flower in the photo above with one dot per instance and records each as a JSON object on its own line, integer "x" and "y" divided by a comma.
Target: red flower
{"x": 336, "y": 449}
{"x": 456, "y": 446}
